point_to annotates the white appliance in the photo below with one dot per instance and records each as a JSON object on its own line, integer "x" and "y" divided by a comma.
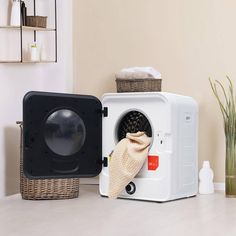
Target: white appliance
{"x": 68, "y": 135}
{"x": 170, "y": 171}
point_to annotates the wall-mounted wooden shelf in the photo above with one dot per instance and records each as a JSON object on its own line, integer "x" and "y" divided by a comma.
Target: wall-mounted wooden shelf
{"x": 26, "y": 28}
{"x": 22, "y": 29}
{"x": 27, "y": 62}
{"x": 9, "y": 27}
{"x": 46, "y": 61}
{"x": 11, "y": 61}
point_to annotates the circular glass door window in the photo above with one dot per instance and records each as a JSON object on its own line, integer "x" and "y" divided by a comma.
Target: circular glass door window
{"x": 133, "y": 122}
{"x": 64, "y": 132}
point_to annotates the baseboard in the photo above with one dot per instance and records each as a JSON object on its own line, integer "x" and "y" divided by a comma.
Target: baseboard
{"x": 90, "y": 181}
{"x": 219, "y": 186}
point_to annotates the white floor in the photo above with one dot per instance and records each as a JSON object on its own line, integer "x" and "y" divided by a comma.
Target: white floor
{"x": 93, "y": 215}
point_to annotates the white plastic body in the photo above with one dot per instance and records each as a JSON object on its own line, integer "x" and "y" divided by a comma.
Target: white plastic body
{"x": 206, "y": 176}
{"x": 174, "y": 123}
{"x": 15, "y": 13}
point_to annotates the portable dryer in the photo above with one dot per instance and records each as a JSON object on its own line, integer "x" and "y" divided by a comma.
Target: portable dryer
{"x": 73, "y": 136}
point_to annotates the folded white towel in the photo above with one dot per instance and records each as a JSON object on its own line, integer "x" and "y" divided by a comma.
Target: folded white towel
{"x": 138, "y": 73}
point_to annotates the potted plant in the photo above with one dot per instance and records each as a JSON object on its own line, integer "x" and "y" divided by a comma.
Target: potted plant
{"x": 227, "y": 106}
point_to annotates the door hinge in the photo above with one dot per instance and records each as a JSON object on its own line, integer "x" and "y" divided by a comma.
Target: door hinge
{"x": 105, "y": 162}
{"x": 105, "y": 111}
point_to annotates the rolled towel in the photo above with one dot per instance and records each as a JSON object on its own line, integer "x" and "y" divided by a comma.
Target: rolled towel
{"x": 126, "y": 161}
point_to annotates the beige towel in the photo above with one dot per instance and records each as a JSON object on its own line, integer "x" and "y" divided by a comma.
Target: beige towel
{"x": 126, "y": 161}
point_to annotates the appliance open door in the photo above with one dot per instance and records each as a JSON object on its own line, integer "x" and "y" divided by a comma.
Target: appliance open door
{"x": 62, "y": 135}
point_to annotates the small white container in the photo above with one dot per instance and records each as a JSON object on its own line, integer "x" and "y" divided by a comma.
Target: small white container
{"x": 206, "y": 176}
{"x": 15, "y": 13}
{"x": 34, "y": 55}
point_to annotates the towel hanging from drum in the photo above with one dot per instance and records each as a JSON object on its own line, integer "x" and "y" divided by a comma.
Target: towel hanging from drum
{"x": 126, "y": 161}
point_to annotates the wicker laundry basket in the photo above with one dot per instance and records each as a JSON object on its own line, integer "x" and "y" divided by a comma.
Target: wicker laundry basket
{"x": 138, "y": 85}
{"x": 45, "y": 189}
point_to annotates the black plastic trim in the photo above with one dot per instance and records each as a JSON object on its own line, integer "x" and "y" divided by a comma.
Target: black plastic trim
{"x": 105, "y": 111}
{"x": 105, "y": 162}
{"x": 39, "y": 161}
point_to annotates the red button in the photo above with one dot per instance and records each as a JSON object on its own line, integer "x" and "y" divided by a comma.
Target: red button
{"x": 153, "y": 162}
